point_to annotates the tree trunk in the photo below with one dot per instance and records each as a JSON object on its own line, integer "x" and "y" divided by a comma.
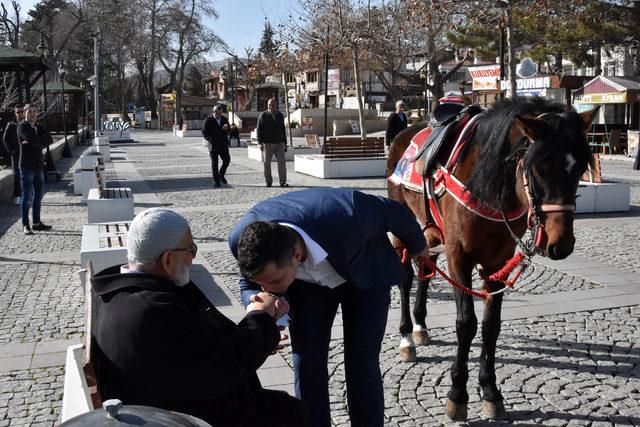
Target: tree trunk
{"x": 558, "y": 62}
{"x": 437, "y": 85}
{"x": 597, "y": 60}
{"x": 511, "y": 54}
{"x": 358, "y": 84}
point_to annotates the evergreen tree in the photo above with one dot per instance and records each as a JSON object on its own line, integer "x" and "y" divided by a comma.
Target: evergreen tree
{"x": 194, "y": 84}
{"x": 268, "y": 47}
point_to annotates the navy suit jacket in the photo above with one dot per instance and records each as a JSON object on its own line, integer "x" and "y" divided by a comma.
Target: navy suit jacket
{"x": 349, "y": 225}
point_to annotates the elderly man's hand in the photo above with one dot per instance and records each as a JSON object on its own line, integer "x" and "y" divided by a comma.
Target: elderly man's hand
{"x": 269, "y": 303}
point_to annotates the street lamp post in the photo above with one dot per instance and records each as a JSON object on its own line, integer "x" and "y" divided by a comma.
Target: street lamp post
{"x": 50, "y": 169}
{"x": 66, "y": 151}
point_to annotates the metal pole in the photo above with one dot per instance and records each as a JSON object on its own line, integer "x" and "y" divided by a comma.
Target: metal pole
{"x": 231, "y": 80}
{"x": 502, "y": 43}
{"x": 326, "y": 84}
{"x": 66, "y": 151}
{"x": 96, "y": 102}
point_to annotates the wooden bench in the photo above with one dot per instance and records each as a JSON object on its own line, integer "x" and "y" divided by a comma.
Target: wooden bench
{"x": 108, "y": 204}
{"x": 312, "y": 140}
{"x": 80, "y": 393}
{"x": 354, "y": 148}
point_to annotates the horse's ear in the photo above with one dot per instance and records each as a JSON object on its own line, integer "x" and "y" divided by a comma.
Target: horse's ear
{"x": 588, "y": 117}
{"x": 531, "y": 127}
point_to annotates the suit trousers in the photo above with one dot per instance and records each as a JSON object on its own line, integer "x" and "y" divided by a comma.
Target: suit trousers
{"x": 269, "y": 150}
{"x": 223, "y": 152}
{"x": 364, "y": 317}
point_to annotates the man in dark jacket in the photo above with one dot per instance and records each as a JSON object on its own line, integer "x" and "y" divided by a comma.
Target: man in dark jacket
{"x": 158, "y": 341}
{"x": 396, "y": 123}
{"x": 326, "y": 247}
{"x": 215, "y": 130}
{"x": 272, "y": 140}
{"x": 33, "y": 139}
{"x": 10, "y": 141}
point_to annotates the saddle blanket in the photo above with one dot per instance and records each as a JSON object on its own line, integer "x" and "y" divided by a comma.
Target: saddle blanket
{"x": 406, "y": 172}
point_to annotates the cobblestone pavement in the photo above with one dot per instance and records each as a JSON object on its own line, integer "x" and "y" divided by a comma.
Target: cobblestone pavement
{"x": 572, "y": 367}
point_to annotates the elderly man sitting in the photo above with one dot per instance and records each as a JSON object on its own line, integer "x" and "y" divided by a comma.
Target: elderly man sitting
{"x": 158, "y": 341}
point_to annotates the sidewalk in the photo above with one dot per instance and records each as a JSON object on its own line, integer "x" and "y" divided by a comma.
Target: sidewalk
{"x": 568, "y": 353}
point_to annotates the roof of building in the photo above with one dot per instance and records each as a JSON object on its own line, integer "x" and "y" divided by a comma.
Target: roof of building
{"x": 55, "y": 86}
{"x": 628, "y": 82}
{"x": 19, "y": 60}
{"x": 610, "y": 84}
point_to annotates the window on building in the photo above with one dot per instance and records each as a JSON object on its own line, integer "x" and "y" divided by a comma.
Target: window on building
{"x": 312, "y": 77}
{"x": 289, "y": 78}
{"x": 610, "y": 68}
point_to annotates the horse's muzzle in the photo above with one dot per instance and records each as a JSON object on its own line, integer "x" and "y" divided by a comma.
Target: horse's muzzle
{"x": 560, "y": 240}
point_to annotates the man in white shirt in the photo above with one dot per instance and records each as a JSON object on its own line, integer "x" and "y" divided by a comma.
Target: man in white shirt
{"x": 324, "y": 248}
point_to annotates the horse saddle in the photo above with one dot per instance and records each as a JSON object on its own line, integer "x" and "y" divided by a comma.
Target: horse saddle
{"x": 448, "y": 119}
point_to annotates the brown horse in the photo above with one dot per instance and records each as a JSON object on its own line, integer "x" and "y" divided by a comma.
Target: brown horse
{"x": 516, "y": 141}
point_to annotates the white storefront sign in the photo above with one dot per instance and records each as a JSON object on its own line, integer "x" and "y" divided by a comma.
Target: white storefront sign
{"x": 485, "y": 77}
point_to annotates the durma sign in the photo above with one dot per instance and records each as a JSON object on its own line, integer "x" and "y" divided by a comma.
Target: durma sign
{"x": 602, "y": 98}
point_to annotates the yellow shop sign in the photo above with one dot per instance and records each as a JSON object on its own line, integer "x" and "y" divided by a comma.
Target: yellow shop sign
{"x": 602, "y": 98}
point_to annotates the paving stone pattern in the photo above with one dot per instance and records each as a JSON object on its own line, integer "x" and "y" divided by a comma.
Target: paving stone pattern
{"x": 31, "y": 397}
{"x": 578, "y": 369}
{"x": 620, "y": 250}
{"x": 571, "y": 369}
{"x": 40, "y": 302}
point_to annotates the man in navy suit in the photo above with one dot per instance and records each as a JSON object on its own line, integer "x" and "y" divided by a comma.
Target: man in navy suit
{"x": 215, "y": 130}
{"x": 326, "y": 247}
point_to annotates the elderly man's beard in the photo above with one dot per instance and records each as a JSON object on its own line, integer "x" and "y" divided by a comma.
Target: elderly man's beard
{"x": 182, "y": 274}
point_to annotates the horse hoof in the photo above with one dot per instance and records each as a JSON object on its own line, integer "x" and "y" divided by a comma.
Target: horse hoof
{"x": 408, "y": 354}
{"x": 420, "y": 337}
{"x": 456, "y": 411}
{"x": 494, "y": 410}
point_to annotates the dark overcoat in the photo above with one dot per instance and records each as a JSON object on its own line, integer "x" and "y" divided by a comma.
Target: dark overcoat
{"x": 161, "y": 345}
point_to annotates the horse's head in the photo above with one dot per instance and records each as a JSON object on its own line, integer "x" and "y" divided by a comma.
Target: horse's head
{"x": 555, "y": 155}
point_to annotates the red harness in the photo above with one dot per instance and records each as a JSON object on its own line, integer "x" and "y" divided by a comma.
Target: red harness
{"x": 442, "y": 179}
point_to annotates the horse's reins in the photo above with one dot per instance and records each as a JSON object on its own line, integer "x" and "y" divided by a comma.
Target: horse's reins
{"x": 521, "y": 259}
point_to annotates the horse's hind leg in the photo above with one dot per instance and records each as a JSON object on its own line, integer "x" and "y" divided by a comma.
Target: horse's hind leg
{"x": 492, "y": 401}
{"x": 407, "y": 346}
{"x": 466, "y": 326}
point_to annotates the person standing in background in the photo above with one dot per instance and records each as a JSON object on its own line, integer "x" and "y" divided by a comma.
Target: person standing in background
{"x": 215, "y": 130}
{"x": 272, "y": 140}
{"x": 33, "y": 139}
{"x": 11, "y": 143}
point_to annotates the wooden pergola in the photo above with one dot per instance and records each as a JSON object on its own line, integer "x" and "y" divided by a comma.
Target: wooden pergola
{"x": 29, "y": 68}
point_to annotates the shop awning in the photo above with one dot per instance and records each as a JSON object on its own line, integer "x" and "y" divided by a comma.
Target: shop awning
{"x": 609, "y": 90}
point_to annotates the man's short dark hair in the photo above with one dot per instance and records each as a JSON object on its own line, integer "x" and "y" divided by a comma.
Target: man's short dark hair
{"x": 262, "y": 242}
{"x": 18, "y": 109}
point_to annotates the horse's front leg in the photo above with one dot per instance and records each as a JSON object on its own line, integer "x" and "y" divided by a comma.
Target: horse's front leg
{"x": 492, "y": 401}
{"x": 420, "y": 333}
{"x": 407, "y": 345}
{"x": 466, "y": 326}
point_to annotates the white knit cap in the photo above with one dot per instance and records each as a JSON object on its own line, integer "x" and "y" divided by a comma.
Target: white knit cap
{"x": 152, "y": 232}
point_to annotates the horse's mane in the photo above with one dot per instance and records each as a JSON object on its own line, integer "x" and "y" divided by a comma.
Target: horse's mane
{"x": 493, "y": 178}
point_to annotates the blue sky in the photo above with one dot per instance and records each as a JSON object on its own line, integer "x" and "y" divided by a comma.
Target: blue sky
{"x": 240, "y": 23}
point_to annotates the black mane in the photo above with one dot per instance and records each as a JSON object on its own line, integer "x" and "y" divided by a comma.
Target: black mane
{"x": 494, "y": 175}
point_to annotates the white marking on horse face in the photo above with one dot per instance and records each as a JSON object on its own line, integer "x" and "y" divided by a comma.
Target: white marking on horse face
{"x": 571, "y": 162}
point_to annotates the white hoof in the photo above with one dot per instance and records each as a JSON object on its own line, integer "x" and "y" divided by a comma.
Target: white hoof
{"x": 407, "y": 349}
{"x": 420, "y": 335}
